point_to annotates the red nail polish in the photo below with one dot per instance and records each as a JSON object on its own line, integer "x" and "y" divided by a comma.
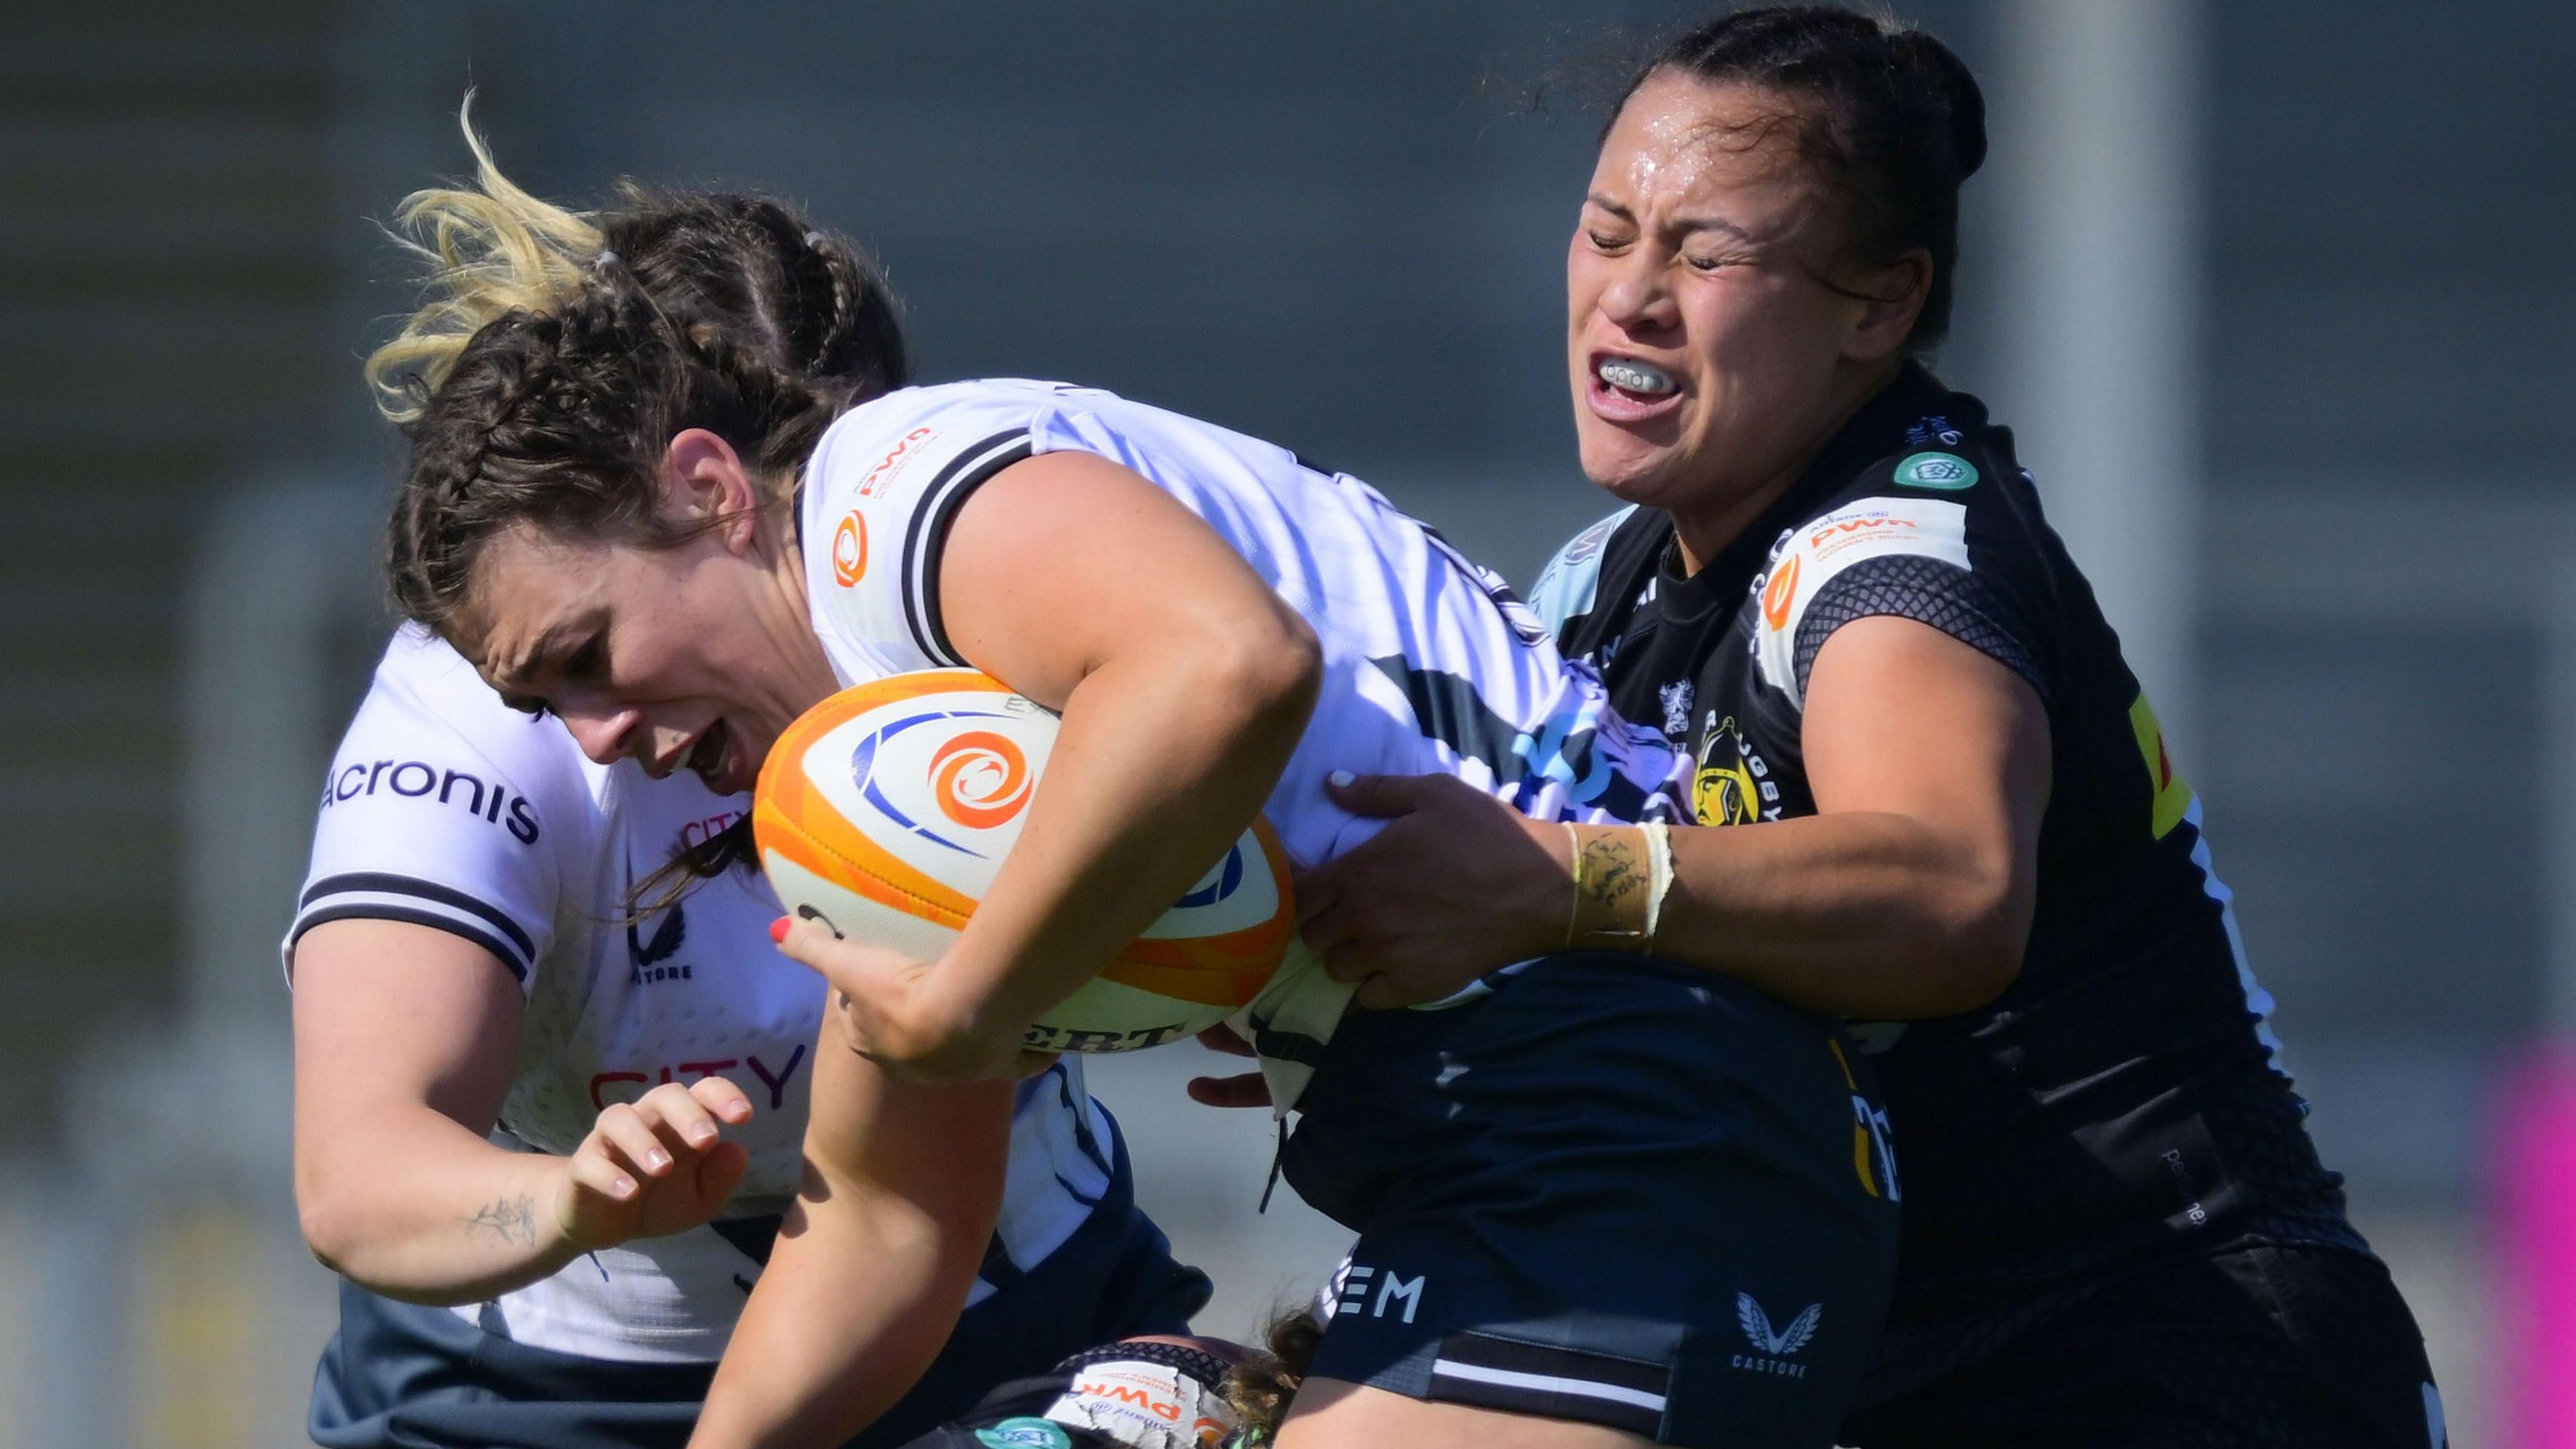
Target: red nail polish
{"x": 778, "y": 929}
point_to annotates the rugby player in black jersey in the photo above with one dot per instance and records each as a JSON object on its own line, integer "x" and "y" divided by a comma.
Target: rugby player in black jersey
{"x": 1949, "y": 808}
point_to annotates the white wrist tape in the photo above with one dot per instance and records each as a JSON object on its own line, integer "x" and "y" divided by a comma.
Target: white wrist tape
{"x": 1659, "y": 875}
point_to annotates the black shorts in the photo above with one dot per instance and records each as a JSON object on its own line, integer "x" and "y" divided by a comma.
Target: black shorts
{"x": 2247, "y": 1348}
{"x": 1613, "y": 1191}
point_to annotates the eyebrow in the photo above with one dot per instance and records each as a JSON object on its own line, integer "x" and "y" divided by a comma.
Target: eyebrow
{"x": 1686, "y": 223}
{"x": 514, "y": 681}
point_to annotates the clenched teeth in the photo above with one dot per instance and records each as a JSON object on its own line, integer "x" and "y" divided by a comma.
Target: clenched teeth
{"x": 1629, "y": 375}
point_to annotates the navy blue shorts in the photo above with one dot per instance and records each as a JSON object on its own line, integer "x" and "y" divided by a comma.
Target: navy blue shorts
{"x": 2252, "y": 1346}
{"x": 398, "y": 1374}
{"x": 1614, "y": 1191}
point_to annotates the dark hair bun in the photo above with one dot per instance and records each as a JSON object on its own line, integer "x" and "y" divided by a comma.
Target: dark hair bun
{"x": 1950, "y": 78}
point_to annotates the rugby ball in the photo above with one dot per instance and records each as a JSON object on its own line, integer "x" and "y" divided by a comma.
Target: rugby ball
{"x": 884, "y": 812}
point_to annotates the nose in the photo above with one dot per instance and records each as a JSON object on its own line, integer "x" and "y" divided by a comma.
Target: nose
{"x": 605, "y": 732}
{"x": 1637, "y": 298}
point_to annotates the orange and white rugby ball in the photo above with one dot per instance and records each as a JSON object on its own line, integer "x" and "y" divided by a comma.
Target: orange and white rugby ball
{"x": 884, "y": 812}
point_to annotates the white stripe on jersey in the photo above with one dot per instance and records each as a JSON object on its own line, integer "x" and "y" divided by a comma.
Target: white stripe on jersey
{"x": 1548, "y": 1383}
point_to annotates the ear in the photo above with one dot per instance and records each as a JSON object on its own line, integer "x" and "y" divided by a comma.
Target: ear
{"x": 1896, "y": 292}
{"x": 704, "y": 480}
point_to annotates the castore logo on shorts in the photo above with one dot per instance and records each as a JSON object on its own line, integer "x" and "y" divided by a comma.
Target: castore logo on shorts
{"x": 1772, "y": 1351}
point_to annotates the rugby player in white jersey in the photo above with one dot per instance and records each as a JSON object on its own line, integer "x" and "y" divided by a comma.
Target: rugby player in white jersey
{"x": 1567, "y": 1188}
{"x": 546, "y": 1123}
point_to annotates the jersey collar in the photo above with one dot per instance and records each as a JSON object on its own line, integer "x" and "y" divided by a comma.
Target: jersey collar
{"x": 1875, "y": 431}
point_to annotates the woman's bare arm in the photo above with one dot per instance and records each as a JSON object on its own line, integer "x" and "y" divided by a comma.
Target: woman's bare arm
{"x": 903, "y": 1183}
{"x": 1909, "y": 894}
{"x": 1184, "y": 683}
{"x": 405, "y": 1041}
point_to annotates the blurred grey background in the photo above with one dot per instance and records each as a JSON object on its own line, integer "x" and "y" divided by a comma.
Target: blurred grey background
{"x": 2272, "y": 291}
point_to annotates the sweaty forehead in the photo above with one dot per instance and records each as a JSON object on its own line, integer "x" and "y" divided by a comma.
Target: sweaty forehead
{"x": 1680, "y": 137}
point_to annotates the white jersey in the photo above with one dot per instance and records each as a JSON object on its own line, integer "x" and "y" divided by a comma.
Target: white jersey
{"x": 446, "y": 808}
{"x": 1431, "y": 665}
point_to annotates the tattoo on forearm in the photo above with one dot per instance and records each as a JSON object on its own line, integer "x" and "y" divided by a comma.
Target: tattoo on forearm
{"x": 510, "y": 1220}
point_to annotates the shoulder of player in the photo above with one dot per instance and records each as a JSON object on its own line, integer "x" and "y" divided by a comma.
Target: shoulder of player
{"x": 1961, "y": 495}
{"x": 897, "y": 442}
{"x": 887, "y": 473}
{"x": 881, "y": 488}
{"x": 431, "y": 729}
{"x": 1569, "y": 586}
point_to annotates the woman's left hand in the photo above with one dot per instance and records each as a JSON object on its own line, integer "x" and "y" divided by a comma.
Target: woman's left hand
{"x": 894, "y": 1012}
{"x": 1456, "y": 885}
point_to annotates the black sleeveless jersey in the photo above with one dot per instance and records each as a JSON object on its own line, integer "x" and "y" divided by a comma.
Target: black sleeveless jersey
{"x": 2125, "y": 1093}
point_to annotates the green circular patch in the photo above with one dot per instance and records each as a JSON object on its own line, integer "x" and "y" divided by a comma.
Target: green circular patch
{"x": 1946, "y": 471}
{"x": 1026, "y": 1434}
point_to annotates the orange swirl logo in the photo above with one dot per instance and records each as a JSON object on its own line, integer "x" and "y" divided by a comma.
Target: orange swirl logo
{"x": 850, "y": 551}
{"x": 981, "y": 779}
{"x": 1783, "y": 589}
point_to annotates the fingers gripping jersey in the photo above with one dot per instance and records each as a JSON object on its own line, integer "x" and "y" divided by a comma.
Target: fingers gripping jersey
{"x": 445, "y": 808}
{"x": 1431, "y": 665}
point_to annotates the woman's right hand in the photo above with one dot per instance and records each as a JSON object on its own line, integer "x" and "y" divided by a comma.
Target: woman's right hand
{"x": 658, "y": 1166}
{"x": 1456, "y": 885}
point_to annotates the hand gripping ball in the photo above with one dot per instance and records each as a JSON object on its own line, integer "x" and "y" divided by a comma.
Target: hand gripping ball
{"x": 884, "y": 812}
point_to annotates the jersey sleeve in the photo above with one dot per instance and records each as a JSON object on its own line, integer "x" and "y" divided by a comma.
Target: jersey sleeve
{"x": 884, "y": 486}
{"x": 1890, "y": 555}
{"x": 1570, "y": 585}
{"x": 445, "y": 808}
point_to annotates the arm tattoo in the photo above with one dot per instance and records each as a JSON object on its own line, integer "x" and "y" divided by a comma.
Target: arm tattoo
{"x": 511, "y": 1220}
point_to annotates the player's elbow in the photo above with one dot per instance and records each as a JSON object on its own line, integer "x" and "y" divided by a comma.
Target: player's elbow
{"x": 1982, "y": 966}
{"x": 337, "y": 1228}
{"x": 324, "y": 1225}
{"x": 1983, "y": 937}
{"x": 1270, "y": 668}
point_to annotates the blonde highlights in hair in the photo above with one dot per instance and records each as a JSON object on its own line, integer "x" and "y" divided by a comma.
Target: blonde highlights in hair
{"x": 486, "y": 251}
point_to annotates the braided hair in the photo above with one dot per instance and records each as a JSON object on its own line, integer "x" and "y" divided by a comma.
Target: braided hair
{"x": 1887, "y": 119}
{"x": 812, "y": 301}
{"x": 556, "y": 353}
{"x": 559, "y": 420}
